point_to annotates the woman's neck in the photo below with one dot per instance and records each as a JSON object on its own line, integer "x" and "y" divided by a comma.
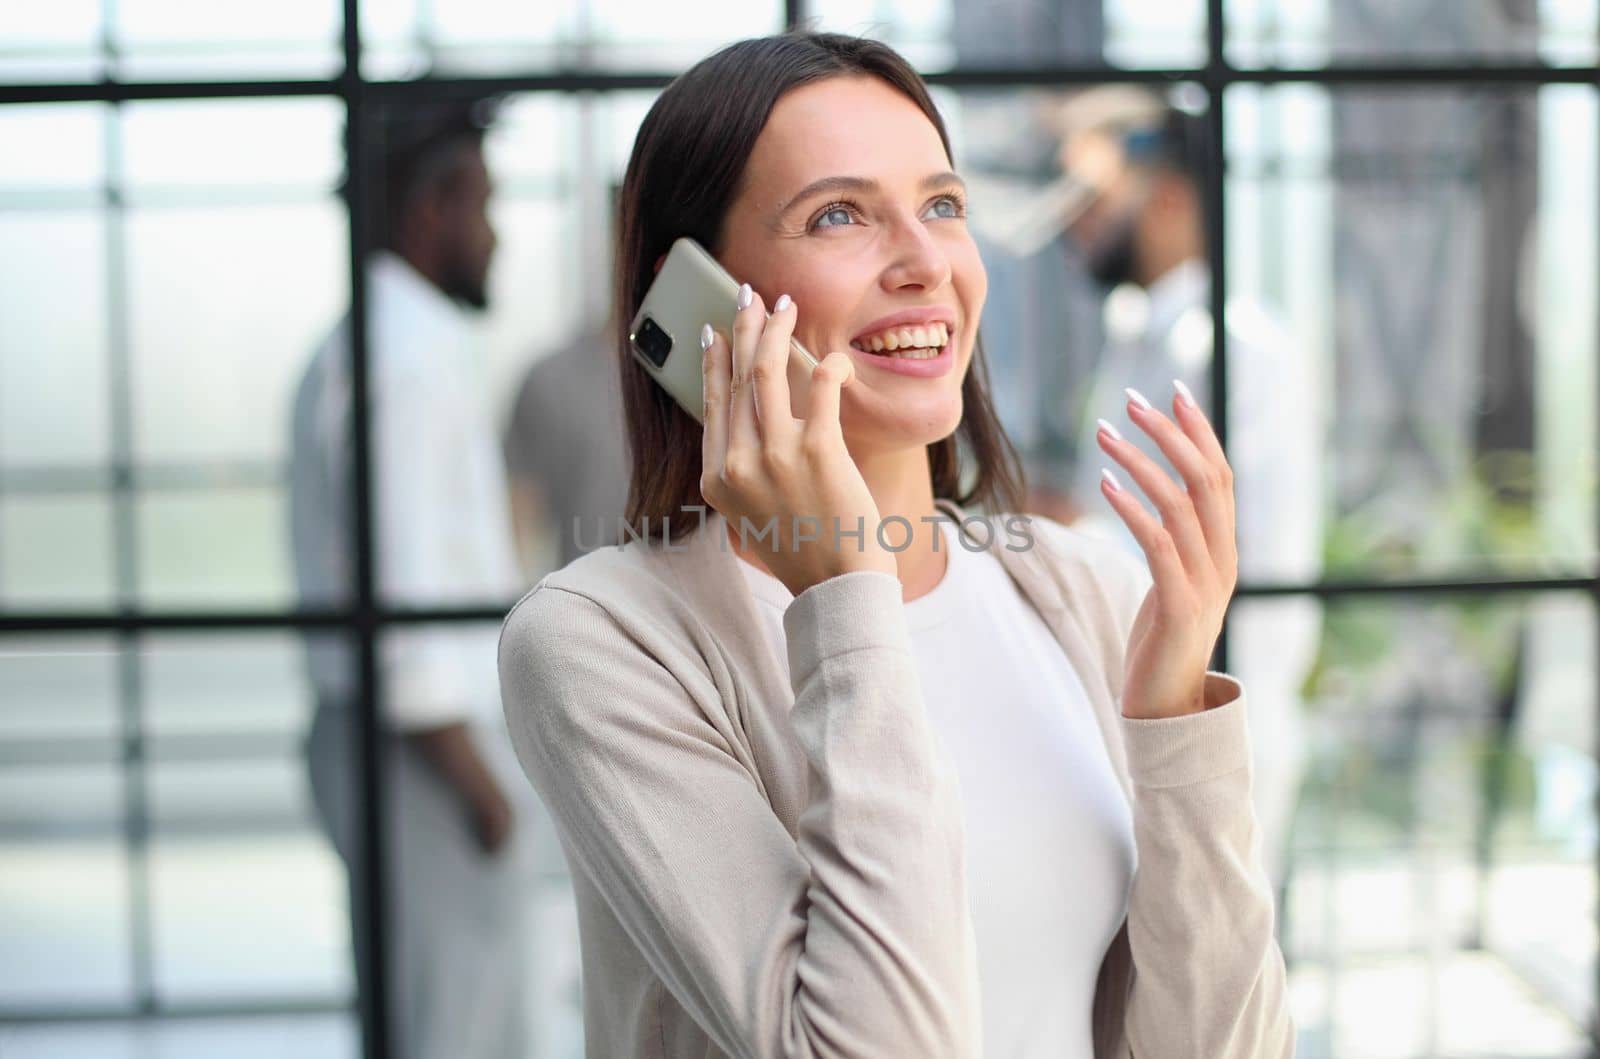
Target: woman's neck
{"x": 901, "y": 484}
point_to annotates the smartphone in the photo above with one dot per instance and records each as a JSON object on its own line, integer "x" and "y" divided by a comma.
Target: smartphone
{"x": 690, "y": 291}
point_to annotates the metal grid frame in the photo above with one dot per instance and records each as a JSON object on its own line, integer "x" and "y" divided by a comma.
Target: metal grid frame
{"x": 366, "y": 618}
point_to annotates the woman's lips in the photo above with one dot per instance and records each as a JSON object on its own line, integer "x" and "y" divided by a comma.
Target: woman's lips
{"x": 930, "y": 336}
{"x": 922, "y": 368}
{"x": 921, "y": 316}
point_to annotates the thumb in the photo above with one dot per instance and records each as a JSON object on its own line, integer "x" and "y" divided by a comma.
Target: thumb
{"x": 835, "y": 371}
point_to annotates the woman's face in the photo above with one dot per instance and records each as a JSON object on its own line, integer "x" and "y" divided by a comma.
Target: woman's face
{"x": 850, "y": 208}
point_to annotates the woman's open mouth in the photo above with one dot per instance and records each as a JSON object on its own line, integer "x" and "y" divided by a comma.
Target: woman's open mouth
{"x": 906, "y": 343}
{"x": 923, "y": 351}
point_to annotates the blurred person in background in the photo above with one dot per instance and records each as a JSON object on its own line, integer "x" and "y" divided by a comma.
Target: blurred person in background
{"x": 461, "y": 829}
{"x": 1142, "y": 235}
{"x": 564, "y": 453}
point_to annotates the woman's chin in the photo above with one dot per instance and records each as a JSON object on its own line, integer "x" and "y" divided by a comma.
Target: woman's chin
{"x": 902, "y": 421}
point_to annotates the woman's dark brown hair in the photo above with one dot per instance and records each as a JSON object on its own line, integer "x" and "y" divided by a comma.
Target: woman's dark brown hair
{"x": 687, "y": 165}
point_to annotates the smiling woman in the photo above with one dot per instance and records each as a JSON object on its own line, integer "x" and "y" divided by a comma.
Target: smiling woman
{"x": 865, "y": 799}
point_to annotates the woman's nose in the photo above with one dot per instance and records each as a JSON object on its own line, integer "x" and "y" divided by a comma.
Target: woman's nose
{"x": 917, "y": 260}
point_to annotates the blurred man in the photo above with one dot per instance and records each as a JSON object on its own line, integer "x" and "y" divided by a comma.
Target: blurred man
{"x": 461, "y": 822}
{"x": 1143, "y": 236}
{"x": 565, "y": 455}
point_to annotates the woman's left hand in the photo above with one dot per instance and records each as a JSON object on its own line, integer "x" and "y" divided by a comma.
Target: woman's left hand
{"x": 1191, "y": 551}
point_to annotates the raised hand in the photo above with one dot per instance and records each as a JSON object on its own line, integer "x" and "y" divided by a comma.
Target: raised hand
{"x": 1191, "y": 550}
{"x": 759, "y": 462}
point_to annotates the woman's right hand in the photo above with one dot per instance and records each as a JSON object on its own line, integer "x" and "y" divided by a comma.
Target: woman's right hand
{"x": 760, "y": 463}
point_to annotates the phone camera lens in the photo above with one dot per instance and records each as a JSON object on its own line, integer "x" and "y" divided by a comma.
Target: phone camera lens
{"x": 653, "y": 342}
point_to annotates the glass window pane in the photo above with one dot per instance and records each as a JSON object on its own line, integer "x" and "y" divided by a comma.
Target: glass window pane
{"x": 226, "y": 305}
{"x": 54, "y": 383}
{"x": 67, "y": 797}
{"x": 1430, "y": 258}
{"x": 279, "y": 899}
{"x": 534, "y": 140}
{"x": 56, "y": 552}
{"x": 1434, "y": 770}
{"x": 1142, "y": 35}
{"x": 160, "y": 39}
{"x": 549, "y": 274}
{"x": 636, "y": 32}
{"x": 64, "y": 881}
{"x": 169, "y": 40}
{"x": 615, "y": 119}
{"x": 539, "y": 296}
{"x": 264, "y": 144}
{"x": 969, "y": 33}
{"x": 64, "y": 939}
{"x": 405, "y": 39}
{"x": 1294, "y": 33}
{"x": 51, "y": 42}
{"x": 254, "y": 779}
{"x": 248, "y": 686}
{"x": 58, "y": 688}
{"x": 52, "y": 147}
{"x": 222, "y": 547}
{"x": 237, "y": 851}
{"x": 320, "y": 1036}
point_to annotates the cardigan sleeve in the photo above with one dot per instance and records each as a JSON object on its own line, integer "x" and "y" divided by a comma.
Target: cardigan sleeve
{"x": 851, "y": 938}
{"x": 1208, "y": 976}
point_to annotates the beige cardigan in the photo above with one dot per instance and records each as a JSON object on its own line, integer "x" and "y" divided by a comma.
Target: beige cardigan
{"x": 772, "y": 870}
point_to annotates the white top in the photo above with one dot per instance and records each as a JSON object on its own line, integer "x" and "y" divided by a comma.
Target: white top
{"x": 441, "y": 516}
{"x": 1049, "y": 837}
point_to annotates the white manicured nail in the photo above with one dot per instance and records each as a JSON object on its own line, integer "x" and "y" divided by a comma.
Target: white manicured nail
{"x": 781, "y": 304}
{"x": 707, "y": 336}
{"x": 1109, "y": 429}
{"x": 1184, "y": 394}
{"x": 1138, "y": 398}
{"x": 745, "y": 295}
{"x": 1111, "y": 479}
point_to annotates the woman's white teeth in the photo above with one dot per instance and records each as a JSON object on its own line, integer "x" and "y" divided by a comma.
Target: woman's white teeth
{"x": 918, "y": 342}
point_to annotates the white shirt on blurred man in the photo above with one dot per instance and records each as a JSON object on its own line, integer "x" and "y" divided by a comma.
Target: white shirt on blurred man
{"x": 441, "y": 513}
{"x": 461, "y": 930}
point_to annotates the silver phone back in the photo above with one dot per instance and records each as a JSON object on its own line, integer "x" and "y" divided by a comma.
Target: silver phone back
{"x": 689, "y": 291}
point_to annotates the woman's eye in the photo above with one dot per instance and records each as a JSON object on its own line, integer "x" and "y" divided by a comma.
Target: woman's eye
{"x": 946, "y": 207}
{"x": 840, "y": 215}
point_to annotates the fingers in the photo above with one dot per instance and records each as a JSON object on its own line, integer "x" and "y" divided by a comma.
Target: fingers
{"x": 1216, "y": 505}
{"x": 749, "y": 317}
{"x": 1166, "y": 567}
{"x": 1197, "y": 456}
{"x": 1196, "y": 425}
{"x": 828, "y": 378}
{"x": 1178, "y": 519}
{"x": 744, "y": 373}
{"x": 715, "y": 370}
{"x": 770, "y": 373}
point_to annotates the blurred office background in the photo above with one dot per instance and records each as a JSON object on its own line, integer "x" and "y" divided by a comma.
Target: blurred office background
{"x": 1411, "y": 185}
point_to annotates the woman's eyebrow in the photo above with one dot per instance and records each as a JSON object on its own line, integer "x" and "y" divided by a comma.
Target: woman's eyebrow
{"x": 865, "y": 185}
